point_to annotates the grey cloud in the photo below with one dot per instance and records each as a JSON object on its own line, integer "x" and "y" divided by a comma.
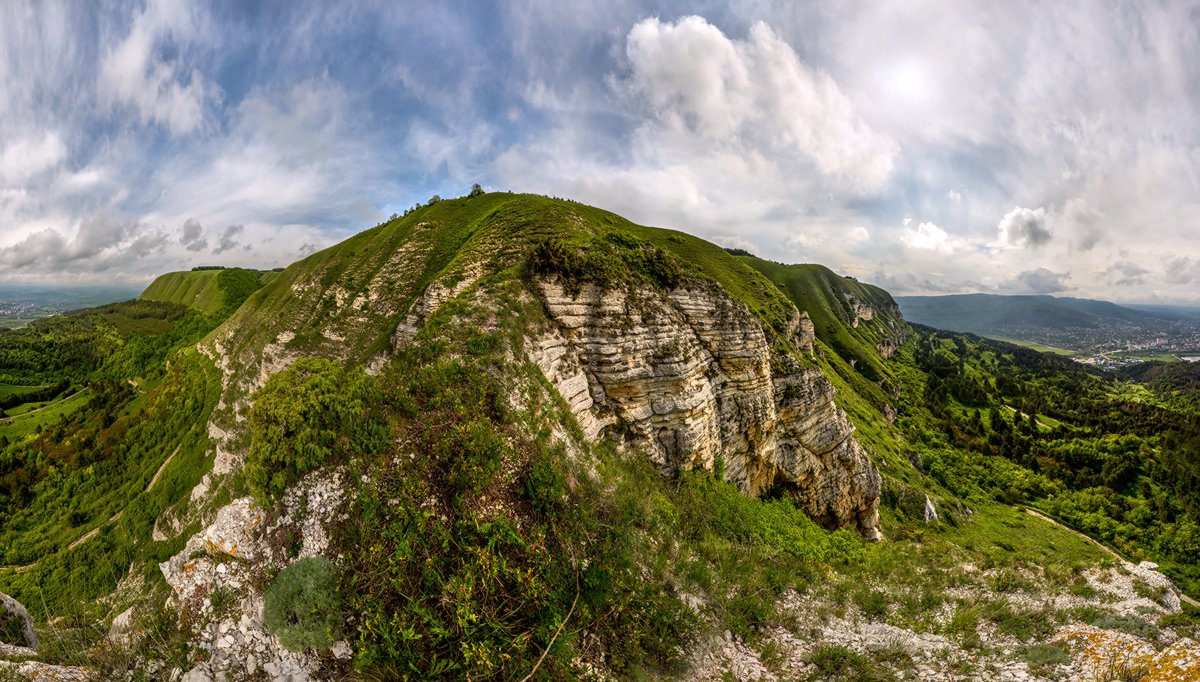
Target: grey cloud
{"x": 1125, "y": 273}
{"x": 193, "y": 238}
{"x": 99, "y": 243}
{"x": 308, "y": 249}
{"x": 1182, "y": 270}
{"x": 1025, "y": 227}
{"x": 228, "y": 240}
{"x": 148, "y": 243}
{"x": 909, "y": 282}
{"x": 35, "y": 249}
{"x": 1039, "y": 281}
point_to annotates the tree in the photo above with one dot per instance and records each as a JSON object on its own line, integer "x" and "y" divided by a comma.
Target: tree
{"x": 476, "y": 190}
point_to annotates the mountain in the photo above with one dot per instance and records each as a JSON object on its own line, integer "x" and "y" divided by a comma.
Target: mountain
{"x": 212, "y": 291}
{"x": 506, "y": 436}
{"x": 1074, "y": 323}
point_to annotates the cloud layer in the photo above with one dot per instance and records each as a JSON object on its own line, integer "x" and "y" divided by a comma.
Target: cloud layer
{"x": 906, "y": 143}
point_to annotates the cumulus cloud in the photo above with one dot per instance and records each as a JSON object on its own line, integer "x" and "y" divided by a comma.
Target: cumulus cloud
{"x": 1039, "y": 281}
{"x": 1182, "y": 270}
{"x": 1024, "y": 227}
{"x": 228, "y": 240}
{"x": 98, "y": 243}
{"x": 927, "y": 237}
{"x": 192, "y": 235}
{"x": 755, "y": 94}
{"x": 1125, "y": 273}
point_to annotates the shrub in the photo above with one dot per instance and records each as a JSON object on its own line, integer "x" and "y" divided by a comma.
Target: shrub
{"x": 475, "y": 450}
{"x": 302, "y": 607}
{"x": 1042, "y": 657}
{"x": 835, "y": 662}
{"x": 303, "y": 416}
{"x": 1127, "y": 624}
{"x": 12, "y": 628}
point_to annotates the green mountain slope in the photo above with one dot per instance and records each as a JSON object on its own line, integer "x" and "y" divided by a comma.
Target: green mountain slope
{"x": 477, "y": 442}
{"x": 995, "y": 315}
{"x": 216, "y": 292}
{"x": 861, "y": 322}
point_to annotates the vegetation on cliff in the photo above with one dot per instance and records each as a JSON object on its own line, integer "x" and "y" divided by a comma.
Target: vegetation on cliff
{"x": 483, "y": 536}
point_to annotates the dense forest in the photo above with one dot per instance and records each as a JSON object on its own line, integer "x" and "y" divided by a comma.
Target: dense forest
{"x": 1105, "y": 454}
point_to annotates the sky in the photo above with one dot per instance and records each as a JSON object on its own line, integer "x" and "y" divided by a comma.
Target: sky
{"x": 927, "y": 147}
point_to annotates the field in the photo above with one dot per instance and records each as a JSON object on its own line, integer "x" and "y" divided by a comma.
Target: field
{"x": 1039, "y": 347}
{"x": 26, "y": 421}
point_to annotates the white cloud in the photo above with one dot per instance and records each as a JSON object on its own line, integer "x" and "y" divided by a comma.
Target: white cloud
{"x": 928, "y": 237}
{"x": 165, "y": 92}
{"x": 858, "y": 234}
{"x": 24, "y": 158}
{"x": 755, "y": 94}
{"x": 954, "y": 196}
{"x": 1024, "y": 227}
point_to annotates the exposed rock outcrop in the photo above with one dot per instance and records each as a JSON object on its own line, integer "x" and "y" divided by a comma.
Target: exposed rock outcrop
{"x": 232, "y": 557}
{"x": 689, "y": 377}
{"x": 12, "y": 609}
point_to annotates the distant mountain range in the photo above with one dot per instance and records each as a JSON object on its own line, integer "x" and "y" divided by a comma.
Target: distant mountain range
{"x": 1073, "y": 323}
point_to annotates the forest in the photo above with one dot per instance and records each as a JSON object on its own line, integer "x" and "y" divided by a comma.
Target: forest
{"x": 1105, "y": 454}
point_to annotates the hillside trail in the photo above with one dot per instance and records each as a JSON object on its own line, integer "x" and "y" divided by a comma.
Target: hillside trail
{"x": 96, "y": 531}
{"x": 44, "y": 407}
{"x": 1183, "y": 597}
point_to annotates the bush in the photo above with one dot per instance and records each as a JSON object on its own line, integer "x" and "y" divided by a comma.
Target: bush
{"x": 302, "y": 417}
{"x": 12, "y": 628}
{"x": 835, "y": 662}
{"x": 302, "y": 607}
{"x": 1042, "y": 657}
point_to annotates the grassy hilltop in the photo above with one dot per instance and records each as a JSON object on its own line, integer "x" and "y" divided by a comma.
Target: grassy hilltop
{"x": 484, "y": 537}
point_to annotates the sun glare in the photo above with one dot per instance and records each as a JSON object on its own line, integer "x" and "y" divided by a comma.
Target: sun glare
{"x": 908, "y": 81}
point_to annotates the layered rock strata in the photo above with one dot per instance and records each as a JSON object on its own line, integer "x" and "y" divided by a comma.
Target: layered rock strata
{"x": 688, "y": 376}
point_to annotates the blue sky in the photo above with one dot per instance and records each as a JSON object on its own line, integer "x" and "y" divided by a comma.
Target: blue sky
{"x": 929, "y": 147}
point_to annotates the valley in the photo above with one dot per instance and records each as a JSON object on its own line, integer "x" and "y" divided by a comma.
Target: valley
{"x": 505, "y": 436}
{"x": 1101, "y": 332}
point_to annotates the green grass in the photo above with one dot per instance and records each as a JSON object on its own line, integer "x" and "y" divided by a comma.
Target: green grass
{"x": 1039, "y": 347}
{"x": 826, "y": 297}
{"x": 27, "y": 421}
{"x": 212, "y": 292}
{"x": 67, "y": 581}
{"x": 7, "y": 390}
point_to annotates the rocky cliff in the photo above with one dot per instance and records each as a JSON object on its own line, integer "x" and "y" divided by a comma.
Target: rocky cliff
{"x": 689, "y": 378}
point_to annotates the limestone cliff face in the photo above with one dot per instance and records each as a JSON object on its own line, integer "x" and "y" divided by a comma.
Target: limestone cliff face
{"x": 689, "y": 377}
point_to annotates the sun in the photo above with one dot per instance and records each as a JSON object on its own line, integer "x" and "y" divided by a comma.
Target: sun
{"x": 908, "y": 81}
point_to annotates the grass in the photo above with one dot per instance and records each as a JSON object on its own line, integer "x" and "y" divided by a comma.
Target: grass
{"x": 27, "y": 422}
{"x": 63, "y": 580}
{"x": 212, "y": 292}
{"x": 7, "y": 390}
{"x": 1039, "y": 347}
{"x": 829, "y": 299}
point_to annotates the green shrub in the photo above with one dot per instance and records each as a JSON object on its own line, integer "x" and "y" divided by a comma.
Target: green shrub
{"x": 12, "y": 628}
{"x": 302, "y": 417}
{"x": 1128, "y": 624}
{"x": 1042, "y": 657}
{"x": 475, "y": 450}
{"x": 545, "y": 487}
{"x": 836, "y": 662}
{"x": 302, "y": 607}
